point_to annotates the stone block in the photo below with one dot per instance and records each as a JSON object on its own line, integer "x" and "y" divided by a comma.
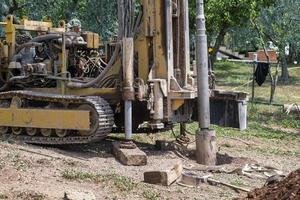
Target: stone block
{"x": 129, "y": 157}
{"x": 166, "y": 173}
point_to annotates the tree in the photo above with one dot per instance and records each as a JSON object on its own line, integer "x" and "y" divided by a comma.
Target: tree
{"x": 97, "y": 16}
{"x": 11, "y": 7}
{"x": 102, "y": 17}
{"x": 222, "y": 15}
{"x": 243, "y": 39}
{"x": 280, "y": 24}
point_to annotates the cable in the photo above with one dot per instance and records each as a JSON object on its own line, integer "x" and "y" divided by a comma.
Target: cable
{"x": 101, "y": 76}
{"x": 126, "y": 29}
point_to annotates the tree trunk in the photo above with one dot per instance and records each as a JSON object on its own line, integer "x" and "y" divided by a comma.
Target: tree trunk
{"x": 292, "y": 54}
{"x": 218, "y": 43}
{"x": 284, "y": 69}
{"x": 274, "y": 80}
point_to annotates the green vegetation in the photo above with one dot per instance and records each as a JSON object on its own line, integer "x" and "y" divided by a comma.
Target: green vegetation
{"x": 97, "y": 16}
{"x": 277, "y": 151}
{"x": 3, "y": 196}
{"x": 261, "y": 123}
{"x": 265, "y": 122}
{"x": 223, "y": 16}
{"x": 18, "y": 162}
{"x": 237, "y": 76}
{"x": 78, "y": 175}
{"x": 151, "y": 195}
{"x": 237, "y": 182}
{"x": 122, "y": 183}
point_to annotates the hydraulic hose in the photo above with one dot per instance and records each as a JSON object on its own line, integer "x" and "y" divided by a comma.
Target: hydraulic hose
{"x": 4, "y": 87}
{"x": 26, "y": 45}
{"x": 107, "y": 68}
{"x": 101, "y": 76}
{"x": 42, "y": 38}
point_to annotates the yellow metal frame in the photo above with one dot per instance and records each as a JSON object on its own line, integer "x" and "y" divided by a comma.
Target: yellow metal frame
{"x": 44, "y": 118}
{"x": 150, "y": 42}
{"x": 107, "y": 93}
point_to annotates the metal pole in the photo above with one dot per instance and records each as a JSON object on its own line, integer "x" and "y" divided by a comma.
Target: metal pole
{"x": 128, "y": 79}
{"x": 202, "y": 68}
{"x": 205, "y": 138}
{"x": 63, "y": 63}
{"x": 128, "y": 120}
{"x": 128, "y": 67}
{"x": 253, "y": 76}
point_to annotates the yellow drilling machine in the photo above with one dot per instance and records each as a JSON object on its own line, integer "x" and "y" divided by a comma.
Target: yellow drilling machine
{"x": 59, "y": 86}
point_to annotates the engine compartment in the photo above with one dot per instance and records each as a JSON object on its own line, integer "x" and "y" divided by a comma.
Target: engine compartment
{"x": 37, "y": 60}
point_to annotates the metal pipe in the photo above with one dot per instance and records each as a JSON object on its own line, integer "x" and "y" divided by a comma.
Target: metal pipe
{"x": 4, "y": 87}
{"x": 125, "y": 7}
{"x": 52, "y": 36}
{"x": 63, "y": 63}
{"x": 128, "y": 79}
{"x": 202, "y": 69}
{"x": 27, "y": 45}
{"x": 128, "y": 120}
{"x": 253, "y": 77}
{"x": 205, "y": 138}
{"x": 41, "y": 38}
{"x": 186, "y": 21}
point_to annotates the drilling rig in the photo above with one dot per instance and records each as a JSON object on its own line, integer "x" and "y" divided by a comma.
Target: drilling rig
{"x": 57, "y": 87}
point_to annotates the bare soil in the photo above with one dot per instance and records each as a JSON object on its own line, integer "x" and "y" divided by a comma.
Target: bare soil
{"x": 287, "y": 189}
{"x": 47, "y": 172}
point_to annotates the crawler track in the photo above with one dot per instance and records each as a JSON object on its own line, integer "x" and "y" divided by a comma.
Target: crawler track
{"x": 103, "y": 111}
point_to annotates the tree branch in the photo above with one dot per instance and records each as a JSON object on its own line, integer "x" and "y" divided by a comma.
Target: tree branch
{"x": 15, "y": 7}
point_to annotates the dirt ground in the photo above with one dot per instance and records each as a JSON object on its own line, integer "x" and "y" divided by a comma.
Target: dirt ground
{"x": 47, "y": 172}
{"x": 288, "y": 188}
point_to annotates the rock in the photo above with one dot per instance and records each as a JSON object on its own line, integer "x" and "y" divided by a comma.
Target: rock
{"x": 294, "y": 108}
{"x": 129, "y": 157}
{"x": 166, "y": 173}
{"x": 74, "y": 195}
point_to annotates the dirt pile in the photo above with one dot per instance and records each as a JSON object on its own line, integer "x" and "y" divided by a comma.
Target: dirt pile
{"x": 287, "y": 189}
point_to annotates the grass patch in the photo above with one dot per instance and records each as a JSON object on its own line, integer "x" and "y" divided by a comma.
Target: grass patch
{"x": 237, "y": 182}
{"x": 3, "y": 196}
{"x": 122, "y": 183}
{"x": 261, "y": 120}
{"x": 278, "y": 152}
{"x": 18, "y": 162}
{"x": 272, "y": 115}
{"x": 151, "y": 195}
{"x": 291, "y": 123}
{"x": 78, "y": 175}
{"x": 231, "y": 75}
